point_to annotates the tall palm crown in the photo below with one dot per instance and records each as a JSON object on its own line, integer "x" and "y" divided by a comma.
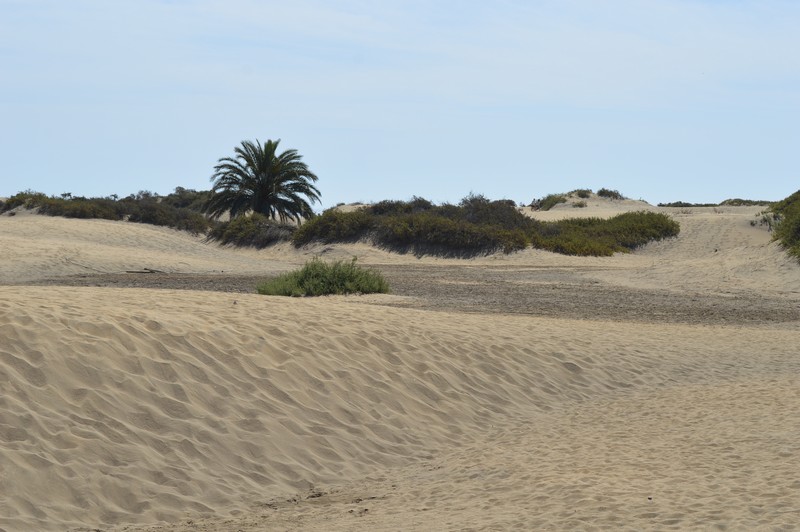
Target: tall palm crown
{"x": 259, "y": 179}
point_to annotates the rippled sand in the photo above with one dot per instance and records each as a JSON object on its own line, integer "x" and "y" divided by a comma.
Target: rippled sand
{"x": 163, "y": 409}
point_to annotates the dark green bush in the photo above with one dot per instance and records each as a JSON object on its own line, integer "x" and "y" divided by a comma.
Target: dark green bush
{"x": 735, "y": 202}
{"x": 786, "y": 227}
{"x": 685, "y": 204}
{"x": 548, "y": 202}
{"x": 428, "y": 233}
{"x": 582, "y": 193}
{"x": 28, "y": 199}
{"x": 389, "y": 207}
{"x": 145, "y": 207}
{"x": 254, "y": 230}
{"x": 158, "y": 213}
{"x": 738, "y": 202}
{"x": 479, "y": 226}
{"x": 80, "y": 208}
{"x": 335, "y": 226}
{"x": 604, "y": 237}
{"x": 318, "y": 278}
{"x": 478, "y": 210}
{"x": 66, "y": 206}
{"x": 183, "y": 198}
{"x": 610, "y": 194}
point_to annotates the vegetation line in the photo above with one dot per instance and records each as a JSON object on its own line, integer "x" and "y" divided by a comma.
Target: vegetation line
{"x": 475, "y": 226}
{"x": 479, "y": 226}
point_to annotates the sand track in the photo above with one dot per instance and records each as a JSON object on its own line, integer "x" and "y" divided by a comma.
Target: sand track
{"x": 555, "y": 293}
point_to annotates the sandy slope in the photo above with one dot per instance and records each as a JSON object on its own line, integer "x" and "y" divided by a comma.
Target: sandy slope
{"x": 196, "y": 410}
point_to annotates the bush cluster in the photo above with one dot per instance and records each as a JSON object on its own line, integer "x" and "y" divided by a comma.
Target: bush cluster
{"x": 604, "y": 237}
{"x": 254, "y": 230}
{"x": 610, "y": 194}
{"x": 582, "y": 193}
{"x": 475, "y": 226}
{"x": 738, "y": 202}
{"x": 479, "y": 226}
{"x": 334, "y": 225}
{"x": 684, "y": 204}
{"x": 179, "y": 210}
{"x": 425, "y": 233}
{"x": 733, "y": 202}
{"x": 548, "y": 202}
{"x": 319, "y": 278}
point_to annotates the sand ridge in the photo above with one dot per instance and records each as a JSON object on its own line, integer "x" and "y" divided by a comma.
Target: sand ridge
{"x": 140, "y": 408}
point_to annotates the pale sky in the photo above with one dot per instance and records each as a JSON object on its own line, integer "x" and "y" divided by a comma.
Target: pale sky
{"x": 664, "y": 100}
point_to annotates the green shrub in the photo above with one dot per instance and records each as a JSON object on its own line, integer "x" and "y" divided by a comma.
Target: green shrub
{"x": 579, "y": 205}
{"x": 548, "y": 202}
{"x": 786, "y": 224}
{"x": 184, "y": 198}
{"x": 80, "y": 208}
{"x": 682, "y": 204}
{"x": 735, "y": 202}
{"x": 318, "y": 278}
{"x": 582, "y": 193}
{"x": 738, "y": 202}
{"x": 610, "y": 194}
{"x": 429, "y": 233}
{"x": 145, "y": 207}
{"x": 254, "y": 230}
{"x": 335, "y": 226}
{"x": 28, "y": 199}
{"x": 158, "y": 213}
{"x": 478, "y": 210}
{"x": 604, "y": 237}
{"x": 480, "y": 226}
{"x": 389, "y": 207}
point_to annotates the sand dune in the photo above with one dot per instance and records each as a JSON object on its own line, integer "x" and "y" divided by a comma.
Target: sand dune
{"x": 130, "y": 408}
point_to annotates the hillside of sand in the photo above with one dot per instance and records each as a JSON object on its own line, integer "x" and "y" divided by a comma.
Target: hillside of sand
{"x": 651, "y": 390}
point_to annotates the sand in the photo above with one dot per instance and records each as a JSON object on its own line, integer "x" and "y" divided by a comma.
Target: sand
{"x": 653, "y": 390}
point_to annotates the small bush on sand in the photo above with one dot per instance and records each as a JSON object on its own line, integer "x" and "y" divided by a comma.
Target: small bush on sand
{"x": 610, "y": 194}
{"x": 582, "y": 193}
{"x": 548, "y": 202}
{"x": 579, "y": 205}
{"x": 318, "y": 278}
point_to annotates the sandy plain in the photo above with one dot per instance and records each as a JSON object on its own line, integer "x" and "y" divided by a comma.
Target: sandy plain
{"x": 652, "y": 390}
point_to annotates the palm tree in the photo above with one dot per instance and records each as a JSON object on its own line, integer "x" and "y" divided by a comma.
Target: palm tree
{"x": 258, "y": 179}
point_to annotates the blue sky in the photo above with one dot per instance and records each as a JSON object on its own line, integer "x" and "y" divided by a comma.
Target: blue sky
{"x": 663, "y": 100}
